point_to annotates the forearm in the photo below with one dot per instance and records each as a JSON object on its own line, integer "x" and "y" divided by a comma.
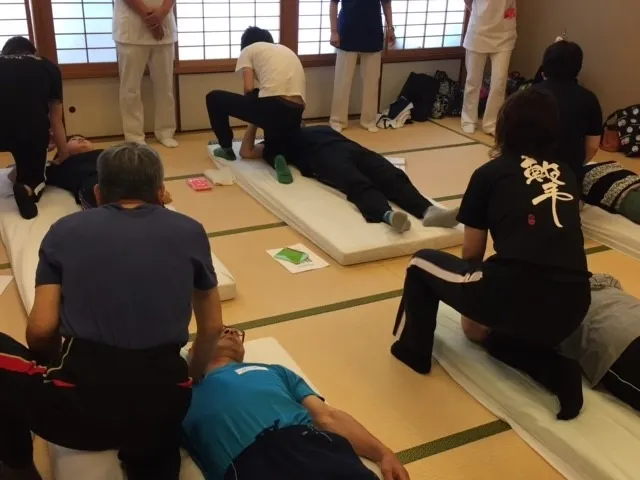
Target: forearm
{"x": 249, "y": 138}
{"x": 167, "y": 6}
{"x": 363, "y": 442}
{"x": 204, "y": 347}
{"x": 138, "y": 6}
{"x": 44, "y": 347}
{"x": 333, "y": 16}
{"x": 208, "y": 313}
{"x": 57, "y": 127}
{"x": 388, "y": 14}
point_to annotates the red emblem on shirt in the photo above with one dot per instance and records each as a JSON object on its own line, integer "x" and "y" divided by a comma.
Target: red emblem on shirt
{"x": 510, "y": 13}
{"x": 532, "y": 219}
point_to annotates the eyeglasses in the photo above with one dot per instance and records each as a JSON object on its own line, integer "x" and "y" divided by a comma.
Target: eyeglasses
{"x": 234, "y": 331}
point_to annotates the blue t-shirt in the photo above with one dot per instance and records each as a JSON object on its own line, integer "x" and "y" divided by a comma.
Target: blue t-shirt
{"x": 235, "y": 403}
{"x": 127, "y": 275}
{"x": 360, "y": 25}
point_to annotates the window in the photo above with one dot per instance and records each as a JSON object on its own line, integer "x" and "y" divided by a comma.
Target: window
{"x": 211, "y": 29}
{"x": 13, "y": 20}
{"x": 428, "y": 23}
{"x": 83, "y": 30}
{"x": 418, "y": 24}
{"x": 314, "y": 27}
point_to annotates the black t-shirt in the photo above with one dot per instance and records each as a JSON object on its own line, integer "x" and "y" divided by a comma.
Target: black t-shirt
{"x": 532, "y": 211}
{"x": 27, "y": 85}
{"x": 74, "y": 171}
{"x": 128, "y": 275}
{"x": 581, "y": 116}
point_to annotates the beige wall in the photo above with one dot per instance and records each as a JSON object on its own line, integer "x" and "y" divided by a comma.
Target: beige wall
{"x": 607, "y": 30}
{"x": 97, "y": 111}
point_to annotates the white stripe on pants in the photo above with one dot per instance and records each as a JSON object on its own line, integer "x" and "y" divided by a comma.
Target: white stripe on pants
{"x": 370, "y": 75}
{"x": 475, "y": 63}
{"x": 132, "y": 61}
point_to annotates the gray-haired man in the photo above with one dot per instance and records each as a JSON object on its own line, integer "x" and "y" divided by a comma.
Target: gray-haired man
{"x": 114, "y": 293}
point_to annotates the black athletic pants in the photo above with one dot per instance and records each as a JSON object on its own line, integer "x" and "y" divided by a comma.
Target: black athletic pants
{"x": 296, "y": 453}
{"x": 279, "y": 118}
{"x": 368, "y": 180}
{"x": 539, "y": 308}
{"x": 29, "y": 150}
{"x": 95, "y": 398}
{"x": 623, "y": 378}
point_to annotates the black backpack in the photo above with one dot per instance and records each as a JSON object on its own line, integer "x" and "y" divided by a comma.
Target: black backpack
{"x": 421, "y": 90}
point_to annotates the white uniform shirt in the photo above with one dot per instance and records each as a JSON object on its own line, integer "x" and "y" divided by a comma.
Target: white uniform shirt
{"x": 492, "y": 26}
{"x": 277, "y": 69}
{"x": 129, "y": 27}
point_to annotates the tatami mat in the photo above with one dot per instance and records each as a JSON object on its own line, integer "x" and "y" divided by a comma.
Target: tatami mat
{"x": 444, "y": 172}
{"x": 266, "y": 288}
{"x": 453, "y": 124}
{"x": 4, "y": 258}
{"x": 336, "y": 322}
{"x": 503, "y": 456}
{"x": 218, "y": 209}
{"x": 414, "y": 136}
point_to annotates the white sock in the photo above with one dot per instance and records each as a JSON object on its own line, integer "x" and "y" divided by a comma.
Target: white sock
{"x": 436, "y": 216}
{"x": 168, "y": 142}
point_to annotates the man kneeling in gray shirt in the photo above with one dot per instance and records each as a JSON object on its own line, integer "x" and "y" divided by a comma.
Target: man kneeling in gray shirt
{"x": 607, "y": 344}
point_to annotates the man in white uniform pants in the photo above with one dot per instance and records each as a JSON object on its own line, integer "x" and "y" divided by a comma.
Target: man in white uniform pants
{"x": 491, "y": 34}
{"x": 145, "y": 34}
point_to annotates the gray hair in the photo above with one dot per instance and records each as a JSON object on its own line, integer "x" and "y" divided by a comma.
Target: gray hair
{"x": 130, "y": 171}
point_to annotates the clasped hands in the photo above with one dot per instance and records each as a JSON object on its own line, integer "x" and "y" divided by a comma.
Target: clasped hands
{"x": 153, "y": 20}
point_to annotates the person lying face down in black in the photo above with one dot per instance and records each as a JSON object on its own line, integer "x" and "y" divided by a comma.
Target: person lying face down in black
{"x": 78, "y": 172}
{"x": 368, "y": 179}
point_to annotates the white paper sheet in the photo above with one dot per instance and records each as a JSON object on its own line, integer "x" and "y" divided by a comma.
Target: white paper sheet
{"x": 314, "y": 262}
{"x": 5, "y": 280}
{"x": 222, "y": 176}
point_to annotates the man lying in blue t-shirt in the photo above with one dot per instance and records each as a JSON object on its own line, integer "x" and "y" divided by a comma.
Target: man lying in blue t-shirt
{"x": 250, "y": 420}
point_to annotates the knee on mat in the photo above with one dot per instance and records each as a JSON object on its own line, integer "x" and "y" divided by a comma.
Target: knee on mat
{"x": 474, "y": 331}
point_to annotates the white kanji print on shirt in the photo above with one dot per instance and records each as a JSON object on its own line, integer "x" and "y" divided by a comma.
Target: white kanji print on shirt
{"x": 548, "y": 174}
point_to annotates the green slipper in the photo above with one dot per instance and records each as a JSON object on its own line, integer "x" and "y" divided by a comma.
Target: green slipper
{"x": 282, "y": 170}
{"x": 225, "y": 153}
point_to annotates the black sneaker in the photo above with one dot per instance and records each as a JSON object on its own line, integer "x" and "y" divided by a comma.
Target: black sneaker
{"x": 26, "y": 202}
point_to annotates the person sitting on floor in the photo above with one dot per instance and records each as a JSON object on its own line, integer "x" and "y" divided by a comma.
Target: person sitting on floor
{"x": 607, "y": 343}
{"x": 78, "y": 174}
{"x": 276, "y": 107}
{"x": 580, "y": 111}
{"x": 610, "y": 186}
{"x": 535, "y": 289}
{"x": 115, "y": 286}
{"x": 30, "y": 105}
{"x": 368, "y": 179}
{"x": 253, "y": 420}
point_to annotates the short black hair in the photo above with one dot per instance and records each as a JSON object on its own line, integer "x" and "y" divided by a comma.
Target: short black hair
{"x": 529, "y": 124}
{"x": 563, "y": 61}
{"x": 130, "y": 171}
{"x": 254, "y": 35}
{"x": 19, "y": 46}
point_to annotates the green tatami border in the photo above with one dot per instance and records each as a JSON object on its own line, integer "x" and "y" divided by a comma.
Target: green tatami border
{"x": 5, "y": 266}
{"x": 252, "y": 228}
{"x": 450, "y": 442}
{"x": 426, "y": 149}
{"x": 462, "y": 134}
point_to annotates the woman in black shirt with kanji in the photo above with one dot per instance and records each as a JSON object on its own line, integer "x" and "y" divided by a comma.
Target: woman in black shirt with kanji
{"x": 534, "y": 292}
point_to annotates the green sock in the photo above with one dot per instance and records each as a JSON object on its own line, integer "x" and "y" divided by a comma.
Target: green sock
{"x": 282, "y": 170}
{"x": 225, "y": 152}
